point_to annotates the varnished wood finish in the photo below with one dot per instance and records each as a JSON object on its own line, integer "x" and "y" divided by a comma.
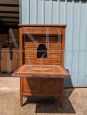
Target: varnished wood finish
{"x": 41, "y": 25}
{"x": 41, "y": 71}
{"x": 37, "y": 81}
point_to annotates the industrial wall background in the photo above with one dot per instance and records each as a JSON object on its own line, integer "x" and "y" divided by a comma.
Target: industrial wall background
{"x": 73, "y": 13}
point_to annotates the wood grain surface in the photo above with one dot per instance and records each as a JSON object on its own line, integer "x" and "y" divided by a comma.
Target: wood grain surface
{"x": 42, "y": 71}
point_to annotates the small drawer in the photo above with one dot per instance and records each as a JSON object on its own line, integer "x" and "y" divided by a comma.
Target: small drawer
{"x": 54, "y": 56}
{"x": 42, "y": 61}
{"x": 54, "y": 61}
{"x": 34, "y": 30}
{"x": 54, "y": 46}
{"x": 54, "y": 51}
{"x": 30, "y": 55}
{"x": 53, "y": 30}
{"x": 31, "y": 61}
{"x": 41, "y": 40}
{"x": 30, "y": 51}
{"x": 30, "y": 45}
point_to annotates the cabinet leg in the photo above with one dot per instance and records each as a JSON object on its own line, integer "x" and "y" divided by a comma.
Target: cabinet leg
{"x": 61, "y": 101}
{"x": 21, "y": 101}
{"x": 21, "y": 93}
{"x": 61, "y": 93}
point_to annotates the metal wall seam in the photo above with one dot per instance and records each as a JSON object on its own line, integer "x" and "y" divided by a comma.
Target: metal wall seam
{"x": 20, "y": 11}
{"x": 51, "y": 11}
{"x": 65, "y": 32}
{"x": 43, "y": 11}
{"x": 58, "y": 11}
{"x": 72, "y": 40}
{"x": 36, "y": 11}
{"x": 79, "y": 45}
{"x": 29, "y": 11}
{"x": 86, "y": 45}
{"x": 85, "y": 68}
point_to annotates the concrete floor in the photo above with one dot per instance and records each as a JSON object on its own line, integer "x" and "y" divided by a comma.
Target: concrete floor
{"x": 75, "y": 101}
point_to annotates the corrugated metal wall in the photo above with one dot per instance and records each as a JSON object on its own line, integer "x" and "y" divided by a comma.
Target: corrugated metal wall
{"x": 72, "y": 13}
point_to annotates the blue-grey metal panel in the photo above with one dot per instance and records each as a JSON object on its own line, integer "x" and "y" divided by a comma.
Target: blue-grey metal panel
{"x": 69, "y": 41}
{"x": 74, "y": 14}
{"x": 82, "y": 45}
{"x": 55, "y": 12}
{"x": 33, "y": 7}
{"x": 41, "y": 11}
{"x": 25, "y": 11}
{"x": 48, "y": 12}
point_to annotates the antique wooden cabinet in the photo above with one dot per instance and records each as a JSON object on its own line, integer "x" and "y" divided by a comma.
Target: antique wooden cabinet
{"x": 41, "y": 45}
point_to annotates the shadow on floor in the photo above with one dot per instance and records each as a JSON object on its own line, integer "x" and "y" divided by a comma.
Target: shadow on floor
{"x": 5, "y": 74}
{"x": 51, "y": 104}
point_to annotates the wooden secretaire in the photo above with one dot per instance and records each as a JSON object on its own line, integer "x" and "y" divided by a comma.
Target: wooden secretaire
{"x": 41, "y": 60}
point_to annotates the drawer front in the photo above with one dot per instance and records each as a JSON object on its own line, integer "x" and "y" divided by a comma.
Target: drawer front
{"x": 30, "y": 55}
{"x": 34, "y": 30}
{"x": 30, "y": 44}
{"x": 41, "y": 40}
{"x": 31, "y": 85}
{"x": 42, "y": 61}
{"x": 54, "y": 61}
{"x": 53, "y": 30}
{"x": 54, "y": 46}
{"x": 42, "y": 30}
{"x": 50, "y": 86}
{"x": 30, "y": 50}
{"x": 54, "y": 56}
{"x": 51, "y": 51}
{"x": 31, "y": 61}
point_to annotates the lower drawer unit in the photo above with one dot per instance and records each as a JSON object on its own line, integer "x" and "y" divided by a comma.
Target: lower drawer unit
{"x": 31, "y": 86}
{"x": 42, "y": 87}
{"x": 50, "y": 86}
